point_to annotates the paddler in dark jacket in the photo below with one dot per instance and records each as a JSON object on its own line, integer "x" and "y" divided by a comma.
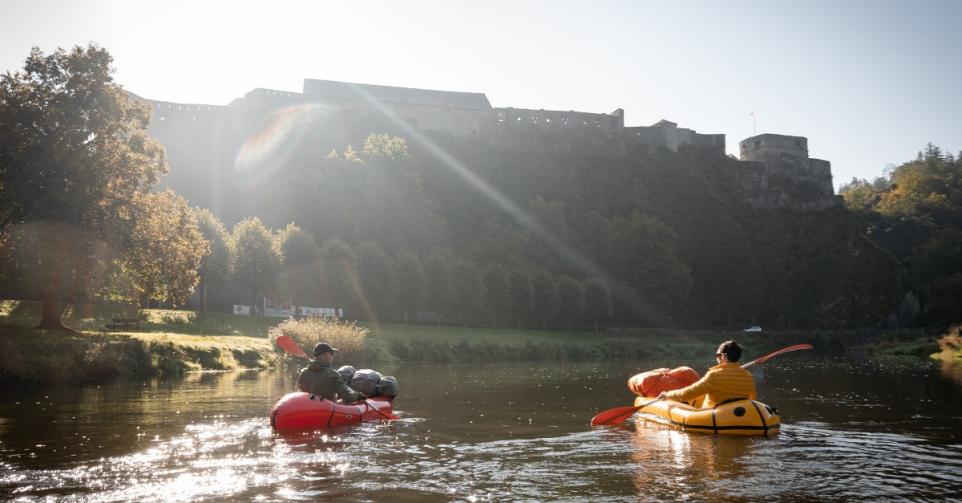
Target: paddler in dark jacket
{"x": 318, "y": 378}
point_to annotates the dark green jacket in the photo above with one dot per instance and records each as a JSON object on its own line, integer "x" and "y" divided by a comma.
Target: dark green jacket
{"x": 321, "y": 380}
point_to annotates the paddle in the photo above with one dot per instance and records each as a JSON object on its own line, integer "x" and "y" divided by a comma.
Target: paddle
{"x": 288, "y": 345}
{"x": 618, "y": 415}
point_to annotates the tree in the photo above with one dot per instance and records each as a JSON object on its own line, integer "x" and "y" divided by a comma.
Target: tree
{"x": 338, "y": 269}
{"x": 411, "y": 283}
{"x": 254, "y": 258}
{"x": 545, "y": 297}
{"x": 469, "y": 289}
{"x": 597, "y": 300}
{"x": 165, "y": 250}
{"x": 377, "y": 280}
{"x": 495, "y": 279}
{"x": 300, "y": 273}
{"x": 520, "y": 295}
{"x": 215, "y": 265}
{"x": 74, "y": 158}
{"x": 571, "y": 299}
{"x": 440, "y": 282}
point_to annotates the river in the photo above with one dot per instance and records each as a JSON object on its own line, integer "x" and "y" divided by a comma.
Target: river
{"x": 852, "y": 429}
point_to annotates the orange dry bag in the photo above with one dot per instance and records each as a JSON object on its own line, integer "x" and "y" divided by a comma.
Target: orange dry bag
{"x": 653, "y": 382}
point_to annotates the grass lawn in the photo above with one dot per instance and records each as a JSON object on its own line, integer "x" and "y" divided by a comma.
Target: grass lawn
{"x": 168, "y": 342}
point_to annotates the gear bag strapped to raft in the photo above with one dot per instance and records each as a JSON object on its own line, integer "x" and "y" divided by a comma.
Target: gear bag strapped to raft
{"x": 653, "y": 382}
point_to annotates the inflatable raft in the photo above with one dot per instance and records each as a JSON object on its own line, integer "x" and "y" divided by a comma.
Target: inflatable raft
{"x": 300, "y": 411}
{"x": 736, "y": 417}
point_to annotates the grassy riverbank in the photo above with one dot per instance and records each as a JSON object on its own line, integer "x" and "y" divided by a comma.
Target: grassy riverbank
{"x": 172, "y": 342}
{"x": 168, "y": 343}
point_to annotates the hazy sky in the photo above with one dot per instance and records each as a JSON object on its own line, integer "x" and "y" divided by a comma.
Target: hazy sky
{"x": 869, "y": 83}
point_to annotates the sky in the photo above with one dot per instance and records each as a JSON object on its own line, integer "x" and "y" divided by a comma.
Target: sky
{"x": 869, "y": 83}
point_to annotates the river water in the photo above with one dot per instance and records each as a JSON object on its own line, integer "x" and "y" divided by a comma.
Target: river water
{"x": 852, "y": 430}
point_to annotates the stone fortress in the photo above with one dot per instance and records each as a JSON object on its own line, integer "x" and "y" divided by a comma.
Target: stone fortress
{"x": 774, "y": 170}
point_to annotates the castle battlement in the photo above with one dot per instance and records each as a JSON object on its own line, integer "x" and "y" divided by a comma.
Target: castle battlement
{"x": 775, "y": 170}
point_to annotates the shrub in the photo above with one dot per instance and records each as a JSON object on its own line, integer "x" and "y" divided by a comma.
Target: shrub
{"x": 351, "y": 340}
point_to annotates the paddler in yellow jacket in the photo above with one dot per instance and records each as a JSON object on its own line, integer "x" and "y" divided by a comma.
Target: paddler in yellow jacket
{"x": 723, "y": 382}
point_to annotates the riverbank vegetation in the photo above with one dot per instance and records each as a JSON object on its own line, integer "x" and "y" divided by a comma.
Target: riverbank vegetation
{"x": 523, "y": 250}
{"x": 172, "y": 342}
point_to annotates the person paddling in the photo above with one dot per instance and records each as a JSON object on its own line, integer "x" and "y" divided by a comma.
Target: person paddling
{"x": 318, "y": 378}
{"x": 723, "y": 382}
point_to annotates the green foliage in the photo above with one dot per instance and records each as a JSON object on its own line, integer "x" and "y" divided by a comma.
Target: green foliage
{"x": 571, "y": 299}
{"x": 300, "y": 271}
{"x": 165, "y": 250}
{"x": 520, "y": 296}
{"x": 411, "y": 283}
{"x": 215, "y": 265}
{"x": 545, "y": 298}
{"x": 378, "y": 281}
{"x": 74, "y": 158}
{"x": 917, "y": 215}
{"x": 597, "y": 301}
{"x": 439, "y": 281}
{"x": 469, "y": 290}
{"x": 495, "y": 281}
{"x": 340, "y": 277}
{"x": 254, "y": 259}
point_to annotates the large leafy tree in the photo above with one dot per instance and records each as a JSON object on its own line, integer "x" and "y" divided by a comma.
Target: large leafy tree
{"x": 571, "y": 299}
{"x": 440, "y": 282}
{"x": 495, "y": 281}
{"x": 254, "y": 259}
{"x": 166, "y": 248}
{"x": 300, "y": 273}
{"x": 597, "y": 301}
{"x": 520, "y": 295}
{"x": 545, "y": 297}
{"x": 339, "y": 265}
{"x": 215, "y": 265}
{"x": 411, "y": 283}
{"x": 469, "y": 289}
{"x": 377, "y": 279}
{"x": 74, "y": 157}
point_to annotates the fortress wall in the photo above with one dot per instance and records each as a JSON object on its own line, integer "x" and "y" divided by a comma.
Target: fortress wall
{"x": 556, "y": 119}
{"x": 767, "y": 146}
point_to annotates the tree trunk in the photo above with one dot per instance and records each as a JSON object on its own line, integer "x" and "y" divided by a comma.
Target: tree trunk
{"x": 203, "y": 297}
{"x": 253, "y": 301}
{"x": 51, "y": 317}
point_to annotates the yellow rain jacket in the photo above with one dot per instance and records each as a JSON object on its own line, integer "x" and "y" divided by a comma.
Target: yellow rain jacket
{"x": 721, "y": 383}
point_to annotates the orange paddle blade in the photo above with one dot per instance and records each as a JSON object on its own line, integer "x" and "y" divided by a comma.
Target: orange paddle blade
{"x": 614, "y": 416}
{"x": 290, "y": 347}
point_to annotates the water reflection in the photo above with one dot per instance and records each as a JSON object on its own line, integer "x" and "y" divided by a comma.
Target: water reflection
{"x": 851, "y": 430}
{"x": 952, "y": 370}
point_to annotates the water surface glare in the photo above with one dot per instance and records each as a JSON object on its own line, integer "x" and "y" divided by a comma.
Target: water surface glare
{"x": 852, "y": 430}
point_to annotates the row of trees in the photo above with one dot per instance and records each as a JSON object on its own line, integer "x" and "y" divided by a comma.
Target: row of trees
{"x": 371, "y": 284}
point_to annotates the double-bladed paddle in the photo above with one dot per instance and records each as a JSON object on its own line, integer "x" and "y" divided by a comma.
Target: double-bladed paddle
{"x": 619, "y": 414}
{"x": 290, "y": 347}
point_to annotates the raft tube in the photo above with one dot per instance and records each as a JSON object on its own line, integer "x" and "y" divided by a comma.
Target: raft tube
{"x": 301, "y": 411}
{"x": 735, "y": 417}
